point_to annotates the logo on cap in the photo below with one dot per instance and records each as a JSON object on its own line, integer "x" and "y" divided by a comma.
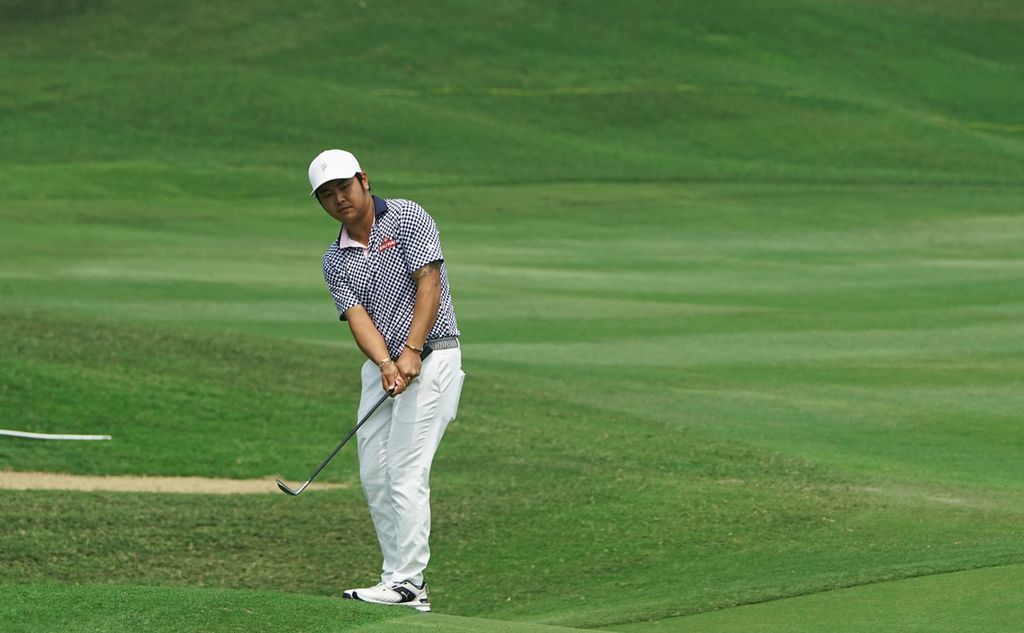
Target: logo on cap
{"x": 323, "y": 166}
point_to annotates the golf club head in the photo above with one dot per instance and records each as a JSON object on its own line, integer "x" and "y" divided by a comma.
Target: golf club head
{"x": 288, "y": 491}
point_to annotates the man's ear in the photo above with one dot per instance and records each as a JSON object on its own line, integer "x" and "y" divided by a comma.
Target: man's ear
{"x": 316, "y": 194}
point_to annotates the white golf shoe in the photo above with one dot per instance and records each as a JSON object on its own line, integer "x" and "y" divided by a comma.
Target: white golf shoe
{"x": 403, "y": 594}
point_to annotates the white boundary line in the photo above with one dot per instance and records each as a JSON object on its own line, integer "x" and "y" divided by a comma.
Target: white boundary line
{"x": 50, "y": 436}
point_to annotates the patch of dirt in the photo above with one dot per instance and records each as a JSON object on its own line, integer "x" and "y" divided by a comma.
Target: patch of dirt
{"x": 125, "y": 483}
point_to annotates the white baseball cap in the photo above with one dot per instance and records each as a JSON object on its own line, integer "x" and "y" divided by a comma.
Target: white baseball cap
{"x": 332, "y": 164}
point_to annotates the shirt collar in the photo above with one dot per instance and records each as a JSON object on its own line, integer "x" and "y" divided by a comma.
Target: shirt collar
{"x": 380, "y": 207}
{"x": 344, "y": 241}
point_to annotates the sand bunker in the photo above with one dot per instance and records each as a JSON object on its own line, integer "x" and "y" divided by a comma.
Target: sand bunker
{"x": 121, "y": 483}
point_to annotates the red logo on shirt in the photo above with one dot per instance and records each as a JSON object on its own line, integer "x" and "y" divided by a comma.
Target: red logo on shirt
{"x": 386, "y": 244}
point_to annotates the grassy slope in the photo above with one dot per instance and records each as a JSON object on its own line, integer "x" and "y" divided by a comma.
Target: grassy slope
{"x": 793, "y": 369}
{"x": 116, "y": 608}
{"x": 94, "y": 608}
{"x": 973, "y": 602}
{"x": 205, "y": 97}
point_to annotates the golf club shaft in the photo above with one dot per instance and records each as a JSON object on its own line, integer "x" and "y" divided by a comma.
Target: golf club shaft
{"x": 284, "y": 487}
{"x": 349, "y": 436}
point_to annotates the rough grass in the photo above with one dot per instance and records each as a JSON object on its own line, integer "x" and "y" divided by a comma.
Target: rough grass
{"x": 115, "y": 608}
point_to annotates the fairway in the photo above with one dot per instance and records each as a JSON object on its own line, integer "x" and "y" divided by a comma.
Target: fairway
{"x": 739, "y": 289}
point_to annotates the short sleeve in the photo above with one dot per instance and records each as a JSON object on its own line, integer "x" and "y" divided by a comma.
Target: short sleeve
{"x": 337, "y": 284}
{"x": 418, "y": 237}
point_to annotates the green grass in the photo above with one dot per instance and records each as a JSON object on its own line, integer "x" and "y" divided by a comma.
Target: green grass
{"x": 971, "y": 601}
{"x": 739, "y": 290}
{"x": 29, "y": 607}
{"x": 116, "y": 608}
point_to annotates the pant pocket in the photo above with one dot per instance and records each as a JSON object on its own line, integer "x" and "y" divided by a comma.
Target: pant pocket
{"x": 451, "y": 396}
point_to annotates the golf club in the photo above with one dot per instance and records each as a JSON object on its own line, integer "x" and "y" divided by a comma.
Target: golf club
{"x": 288, "y": 490}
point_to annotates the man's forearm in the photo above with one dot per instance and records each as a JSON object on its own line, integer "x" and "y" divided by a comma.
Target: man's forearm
{"x": 370, "y": 341}
{"x": 366, "y": 335}
{"x": 428, "y": 300}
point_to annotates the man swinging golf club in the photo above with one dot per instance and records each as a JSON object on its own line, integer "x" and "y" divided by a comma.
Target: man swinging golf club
{"x": 387, "y": 276}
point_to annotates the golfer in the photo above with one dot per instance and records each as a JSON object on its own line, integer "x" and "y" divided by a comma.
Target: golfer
{"x": 387, "y": 276}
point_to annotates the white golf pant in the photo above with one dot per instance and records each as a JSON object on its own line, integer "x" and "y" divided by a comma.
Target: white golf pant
{"x": 396, "y": 448}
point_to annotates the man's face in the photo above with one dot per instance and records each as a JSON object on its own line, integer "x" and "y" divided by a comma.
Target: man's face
{"x": 346, "y": 200}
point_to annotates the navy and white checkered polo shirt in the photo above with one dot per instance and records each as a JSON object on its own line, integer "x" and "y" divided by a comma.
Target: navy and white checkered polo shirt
{"x": 404, "y": 238}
